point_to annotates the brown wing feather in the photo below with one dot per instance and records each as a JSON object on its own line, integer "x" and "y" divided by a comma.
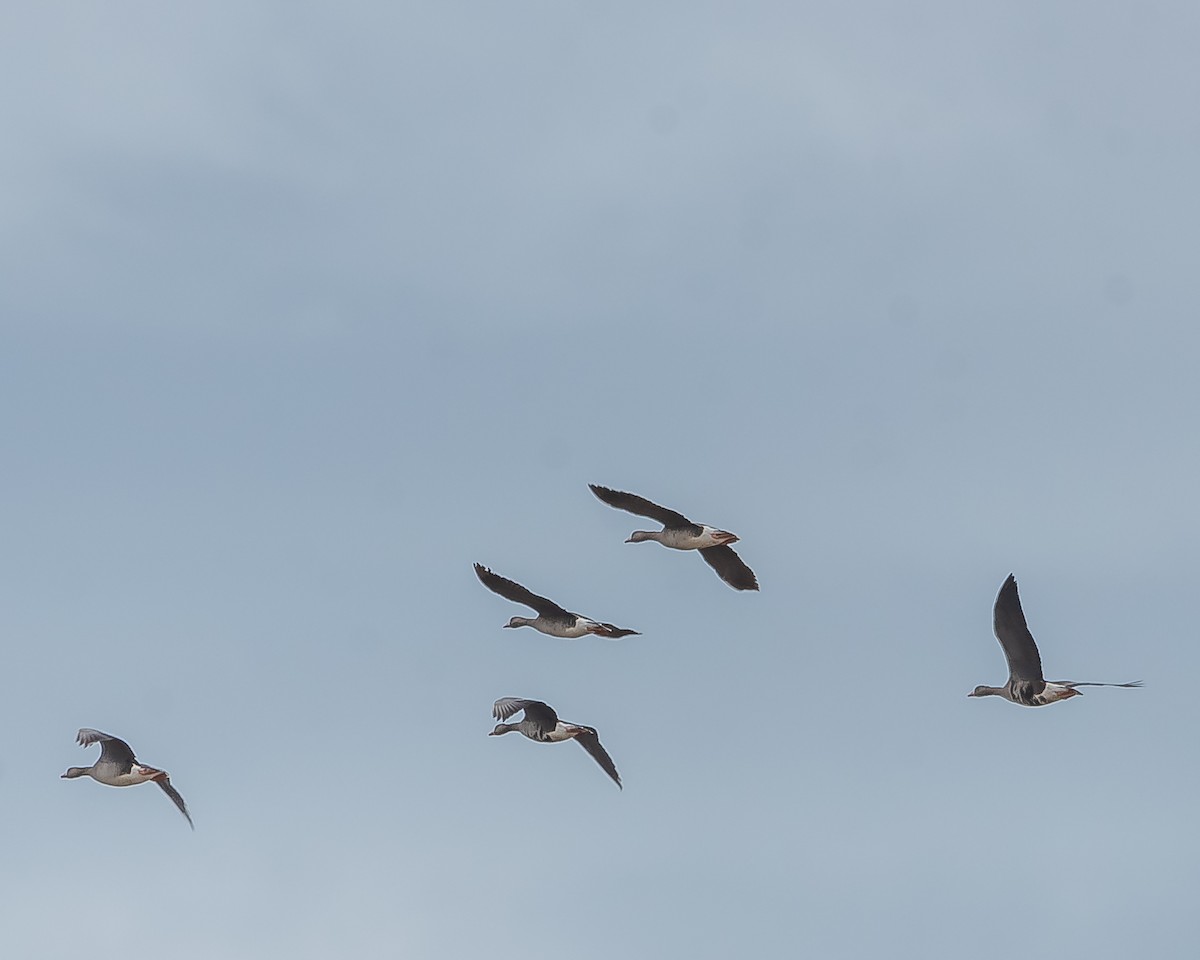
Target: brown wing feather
{"x": 1020, "y": 650}
{"x": 632, "y": 503}
{"x": 590, "y": 742}
{"x": 730, "y": 567}
{"x": 510, "y": 590}
{"x": 540, "y": 713}
{"x": 112, "y": 749}
{"x": 165, "y": 782}
{"x": 615, "y": 633}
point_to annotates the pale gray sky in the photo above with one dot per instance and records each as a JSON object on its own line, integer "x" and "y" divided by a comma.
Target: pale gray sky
{"x": 307, "y": 307}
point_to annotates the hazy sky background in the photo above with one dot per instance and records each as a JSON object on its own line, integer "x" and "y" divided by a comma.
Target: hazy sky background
{"x": 306, "y": 307}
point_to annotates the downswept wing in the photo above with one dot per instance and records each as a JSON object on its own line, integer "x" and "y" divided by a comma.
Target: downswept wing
{"x": 165, "y": 783}
{"x": 510, "y": 590}
{"x": 730, "y": 567}
{"x": 590, "y": 741}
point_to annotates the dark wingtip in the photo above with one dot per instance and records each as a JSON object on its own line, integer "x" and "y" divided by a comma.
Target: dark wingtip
{"x": 604, "y": 494}
{"x": 613, "y": 632}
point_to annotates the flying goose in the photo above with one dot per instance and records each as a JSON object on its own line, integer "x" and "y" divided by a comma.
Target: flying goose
{"x": 679, "y": 533}
{"x": 118, "y": 767}
{"x": 541, "y": 724}
{"x": 1026, "y": 685}
{"x": 552, "y": 619}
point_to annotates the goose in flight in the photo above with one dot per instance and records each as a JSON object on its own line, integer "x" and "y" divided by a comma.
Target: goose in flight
{"x": 541, "y": 724}
{"x": 1026, "y": 685}
{"x": 118, "y": 767}
{"x": 551, "y": 619}
{"x": 679, "y": 533}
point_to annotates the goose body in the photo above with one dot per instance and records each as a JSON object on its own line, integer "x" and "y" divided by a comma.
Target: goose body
{"x": 118, "y": 767}
{"x": 551, "y": 619}
{"x": 1026, "y": 685}
{"x": 680, "y": 533}
{"x": 685, "y": 538}
{"x": 542, "y": 725}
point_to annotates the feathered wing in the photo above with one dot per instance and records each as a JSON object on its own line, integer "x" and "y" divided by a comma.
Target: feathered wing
{"x": 510, "y": 590}
{"x": 540, "y": 713}
{"x": 1081, "y": 683}
{"x": 615, "y": 633}
{"x": 590, "y": 742}
{"x": 730, "y": 567}
{"x": 1008, "y": 619}
{"x": 632, "y": 503}
{"x": 165, "y": 782}
{"x": 112, "y": 749}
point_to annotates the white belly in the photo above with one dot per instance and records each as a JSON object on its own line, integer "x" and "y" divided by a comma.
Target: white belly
{"x": 561, "y": 732}
{"x": 1056, "y": 691}
{"x": 121, "y": 779}
{"x": 582, "y": 628}
{"x": 709, "y": 537}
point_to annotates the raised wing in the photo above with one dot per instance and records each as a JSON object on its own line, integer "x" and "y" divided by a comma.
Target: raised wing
{"x": 632, "y": 503}
{"x": 1024, "y": 661}
{"x": 730, "y": 568}
{"x": 165, "y": 782}
{"x": 510, "y": 590}
{"x": 112, "y": 749}
{"x": 590, "y": 742}
{"x": 540, "y": 713}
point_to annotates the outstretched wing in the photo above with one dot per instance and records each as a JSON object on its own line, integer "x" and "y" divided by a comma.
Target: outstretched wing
{"x": 112, "y": 749}
{"x": 730, "y": 568}
{"x": 513, "y": 591}
{"x": 590, "y": 742}
{"x": 1087, "y": 683}
{"x": 615, "y": 633}
{"x": 165, "y": 782}
{"x": 632, "y": 503}
{"x": 1024, "y": 661}
{"x": 540, "y": 713}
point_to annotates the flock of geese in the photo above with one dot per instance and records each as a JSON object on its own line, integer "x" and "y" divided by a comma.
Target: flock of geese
{"x": 118, "y": 767}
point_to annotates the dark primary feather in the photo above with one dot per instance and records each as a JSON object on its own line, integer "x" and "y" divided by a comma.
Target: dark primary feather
{"x": 632, "y": 503}
{"x": 540, "y": 713}
{"x": 170, "y": 791}
{"x": 1088, "y": 683}
{"x": 112, "y": 749}
{"x": 615, "y": 633}
{"x": 730, "y": 567}
{"x": 590, "y": 742}
{"x": 1024, "y": 661}
{"x": 510, "y": 590}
